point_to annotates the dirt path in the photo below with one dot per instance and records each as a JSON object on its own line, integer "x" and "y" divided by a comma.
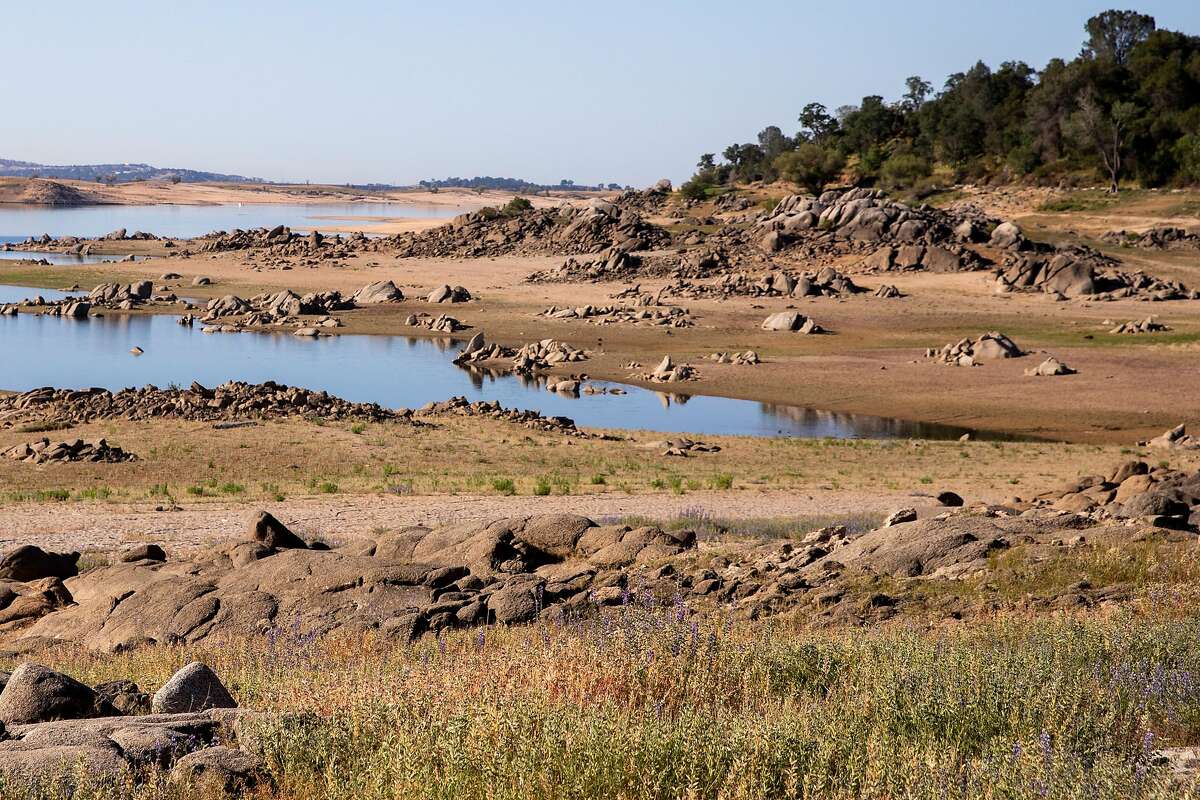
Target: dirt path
{"x": 106, "y": 527}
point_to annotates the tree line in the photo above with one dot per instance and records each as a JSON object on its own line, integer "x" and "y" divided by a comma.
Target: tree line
{"x": 1126, "y": 108}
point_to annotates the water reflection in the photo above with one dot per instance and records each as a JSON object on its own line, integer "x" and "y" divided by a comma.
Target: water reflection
{"x": 396, "y": 371}
{"x": 19, "y": 222}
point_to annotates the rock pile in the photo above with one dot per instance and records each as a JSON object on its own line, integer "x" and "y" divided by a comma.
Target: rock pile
{"x": 791, "y": 321}
{"x": 681, "y": 447}
{"x": 1148, "y": 325}
{"x": 747, "y": 358}
{"x": 865, "y": 221}
{"x": 62, "y": 733}
{"x": 461, "y": 407}
{"x": 826, "y": 282}
{"x": 565, "y": 230}
{"x": 1134, "y": 490}
{"x": 972, "y": 352}
{"x": 547, "y": 353}
{"x": 1162, "y": 238}
{"x": 232, "y": 400}
{"x": 43, "y": 452}
{"x": 439, "y": 324}
{"x": 668, "y": 371}
{"x": 661, "y": 316}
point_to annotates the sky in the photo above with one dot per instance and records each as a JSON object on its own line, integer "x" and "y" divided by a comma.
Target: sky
{"x": 395, "y": 92}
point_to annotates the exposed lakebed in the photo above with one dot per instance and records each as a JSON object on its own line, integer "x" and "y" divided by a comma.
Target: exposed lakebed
{"x": 395, "y": 371}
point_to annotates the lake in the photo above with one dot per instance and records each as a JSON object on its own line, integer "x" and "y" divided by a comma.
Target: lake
{"x": 18, "y": 222}
{"x": 395, "y": 371}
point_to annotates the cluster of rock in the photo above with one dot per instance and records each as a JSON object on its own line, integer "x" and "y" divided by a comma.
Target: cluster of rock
{"x": 646, "y": 201}
{"x": 681, "y": 447}
{"x": 56, "y": 732}
{"x": 864, "y": 220}
{"x": 45, "y": 452}
{"x": 1161, "y": 238}
{"x": 1148, "y": 325}
{"x": 747, "y": 358}
{"x": 280, "y": 242}
{"x": 660, "y": 316}
{"x": 791, "y": 321}
{"x": 1176, "y": 439}
{"x": 439, "y": 324}
{"x": 449, "y": 294}
{"x": 542, "y": 355}
{"x": 1079, "y": 271}
{"x": 461, "y": 407}
{"x": 229, "y": 401}
{"x": 825, "y": 282}
{"x": 286, "y": 307}
{"x": 972, "y": 352}
{"x": 610, "y": 264}
{"x": 1135, "y": 490}
{"x": 565, "y": 230}
{"x": 69, "y": 308}
{"x": 668, "y": 371}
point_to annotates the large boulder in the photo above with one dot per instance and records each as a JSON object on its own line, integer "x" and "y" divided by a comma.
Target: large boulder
{"x": 194, "y": 688}
{"x": 377, "y": 292}
{"x": 218, "y": 771}
{"x": 30, "y": 563}
{"x": 271, "y": 533}
{"x": 35, "y": 693}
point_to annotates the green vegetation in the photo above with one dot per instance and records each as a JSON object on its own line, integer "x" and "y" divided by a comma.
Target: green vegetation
{"x": 650, "y": 702}
{"x": 1127, "y": 107}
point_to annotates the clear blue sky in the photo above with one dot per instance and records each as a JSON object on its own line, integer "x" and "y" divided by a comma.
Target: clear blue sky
{"x": 368, "y": 90}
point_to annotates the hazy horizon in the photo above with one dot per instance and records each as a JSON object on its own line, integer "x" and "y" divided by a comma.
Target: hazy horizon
{"x": 378, "y": 93}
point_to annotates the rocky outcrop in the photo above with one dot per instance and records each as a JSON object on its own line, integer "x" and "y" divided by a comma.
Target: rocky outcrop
{"x": 564, "y": 230}
{"x": 398, "y": 585}
{"x": 1148, "y": 325}
{"x": 659, "y": 316}
{"x": 461, "y": 407}
{"x": 895, "y": 235}
{"x": 1049, "y": 368}
{"x": 1079, "y": 271}
{"x": 229, "y": 401}
{"x": 44, "y": 452}
{"x": 1166, "y": 237}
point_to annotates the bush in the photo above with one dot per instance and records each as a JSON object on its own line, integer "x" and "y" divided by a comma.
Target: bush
{"x": 696, "y": 188}
{"x": 810, "y": 165}
{"x": 516, "y": 207}
{"x": 504, "y": 485}
{"x": 903, "y": 170}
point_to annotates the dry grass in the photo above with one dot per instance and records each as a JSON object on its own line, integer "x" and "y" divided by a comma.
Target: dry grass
{"x": 290, "y": 458}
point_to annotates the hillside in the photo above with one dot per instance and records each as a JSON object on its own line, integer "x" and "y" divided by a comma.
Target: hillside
{"x": 114, "y": 173}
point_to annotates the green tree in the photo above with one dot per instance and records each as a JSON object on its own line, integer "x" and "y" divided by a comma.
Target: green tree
{"x": 816, "y": 124}
{"x": 1106, "y": 130}
{"x": 1113, "y": 34}
{"x": 811, "y": 165}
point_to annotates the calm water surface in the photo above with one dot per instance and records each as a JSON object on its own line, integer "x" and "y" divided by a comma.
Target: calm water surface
{"x": 20, "y": 222}
{"x": 394, "y": 371}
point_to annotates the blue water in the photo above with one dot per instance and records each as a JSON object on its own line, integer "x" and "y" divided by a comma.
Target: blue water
{"x": 19, "y": 222}
{"x": 395, "y": 371}
{"x": 53, "y": 258}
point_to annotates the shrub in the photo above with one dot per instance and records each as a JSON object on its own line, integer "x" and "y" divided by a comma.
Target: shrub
{"x": 810, "y": 165}
{"x": 504, "y": 485}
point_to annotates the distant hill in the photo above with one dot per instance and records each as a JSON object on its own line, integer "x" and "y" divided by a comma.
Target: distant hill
{"x": 511, "y": 184}
{"x": 114, "y": 173}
